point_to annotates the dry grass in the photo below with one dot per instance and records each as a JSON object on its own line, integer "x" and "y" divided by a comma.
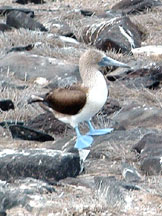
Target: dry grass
{"x": 72, "y": 200}
{"x": 151, "y": 23}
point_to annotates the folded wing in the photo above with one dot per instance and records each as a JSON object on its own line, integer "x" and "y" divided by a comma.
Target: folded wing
{"x": 67, "y": 101}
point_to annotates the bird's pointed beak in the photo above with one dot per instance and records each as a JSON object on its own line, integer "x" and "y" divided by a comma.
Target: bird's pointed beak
{"x": 107, "y": 61}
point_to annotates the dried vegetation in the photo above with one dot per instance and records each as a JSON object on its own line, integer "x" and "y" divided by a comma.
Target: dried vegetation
{"x": 78, "y": 201}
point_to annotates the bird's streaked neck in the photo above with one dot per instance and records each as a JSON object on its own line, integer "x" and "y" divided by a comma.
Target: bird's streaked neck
{"x": 90, "y": 76}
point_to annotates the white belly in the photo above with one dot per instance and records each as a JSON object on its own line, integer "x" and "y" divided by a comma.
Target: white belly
{"x": 96, "y": 98}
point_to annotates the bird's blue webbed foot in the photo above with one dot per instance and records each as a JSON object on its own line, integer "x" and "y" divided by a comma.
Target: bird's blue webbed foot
{"x": 83, "y": 141}
{"x": 97, "y": 132}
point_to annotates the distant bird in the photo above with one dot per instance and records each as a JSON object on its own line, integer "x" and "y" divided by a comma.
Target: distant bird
{"x": 80, "y": 102}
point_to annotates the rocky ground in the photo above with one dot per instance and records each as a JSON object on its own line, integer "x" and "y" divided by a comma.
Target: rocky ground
{"x": 40, "y": 171}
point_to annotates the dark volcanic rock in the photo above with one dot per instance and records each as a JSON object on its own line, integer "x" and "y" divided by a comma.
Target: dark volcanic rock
{"x": 29, "y": 1}
{"x": 48, "y": 123}
{"x": 6, "y": 105}
{"x": 4, "y": 27}
{"x": 43, "y": 164}
{"x": 6, "y": 9}
{"x": 152, "y": 165}
{"x": 148, "y": 141}
{"x": 150, "y": 150}
{"x": 86, "y": 12}
{"x": 25, "y": 133}
{"x": 19, "y": 19}
{"x": 148, "y": 77}
{"x": 133, "y": 6}
{"x": 118, "y": 34}
{"x": 21, "y": 48}
{"x": 6, "y": 124}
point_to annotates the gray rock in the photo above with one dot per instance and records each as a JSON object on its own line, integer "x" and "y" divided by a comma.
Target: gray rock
{"x": 107, "y": 145}
{"x": 10, "y": 199}
{"x": 148, "y": 77}
{"x": 111, "y": 144}
{"x": 150, "y": 150}
{"x": 61, "y": 28}
{"x": 140, "y": 75}
{"x": 43, "y": 164}
{"x": 114, "y": 191}
{"x": 129, "y": 173}
{"x": 137, "y": 115}
{"x": 118, "y": 34}
{"x": 31, "y": 186}
{"x": 18, "y": 19}
{"x": 21, "y": 192}
{"x": 6, "y": 9}
{"x": 10, "y": 83}
{"x": 150, "y": 140}
{"x": 134, "y": 6}
{"x": 29, "y": 67}
{"x": 152, "y": 165}
{"x": 4, "y": 27}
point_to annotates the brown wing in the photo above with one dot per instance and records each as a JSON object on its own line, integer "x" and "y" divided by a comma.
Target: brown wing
{"x": 67, "y": 100}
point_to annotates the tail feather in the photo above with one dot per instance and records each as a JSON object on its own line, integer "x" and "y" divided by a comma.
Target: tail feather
{"x": 34, "y": 99}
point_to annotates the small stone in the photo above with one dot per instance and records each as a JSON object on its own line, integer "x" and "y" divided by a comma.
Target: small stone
{"x": 25, "y": 133}
{"x": 21, "y": 48}
{"x": 152, "y": 166}
{"x": 29, "y": 1}
{"x": 6, "y": 105}
{"x": 129, "y": 173}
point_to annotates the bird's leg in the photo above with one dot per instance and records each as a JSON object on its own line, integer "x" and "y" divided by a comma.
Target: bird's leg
{"x": 83, "y": 141}
{"x": 95, "y": 132}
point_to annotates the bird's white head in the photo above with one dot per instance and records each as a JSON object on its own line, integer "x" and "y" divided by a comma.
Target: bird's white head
{"x": 91, "y": 60}
{"x": 96, "y": 58}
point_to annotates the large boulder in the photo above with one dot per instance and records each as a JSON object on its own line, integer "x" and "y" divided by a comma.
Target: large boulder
{"x": 18, "y": 19}
{"x": 4, "y": 10}
{"x": 43, "y": 164}
{"x": 26, "y": 66}
{"x": 150, "y": 152}
{"x": 133, "y": 6}
{"x": 118, "y": 34}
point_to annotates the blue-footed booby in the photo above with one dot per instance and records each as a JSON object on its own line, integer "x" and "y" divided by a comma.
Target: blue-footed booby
{"x": 80, "y": 102}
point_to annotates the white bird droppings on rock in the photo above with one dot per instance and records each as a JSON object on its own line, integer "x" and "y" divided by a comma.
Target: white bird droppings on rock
{"x": 41, "y": 81}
